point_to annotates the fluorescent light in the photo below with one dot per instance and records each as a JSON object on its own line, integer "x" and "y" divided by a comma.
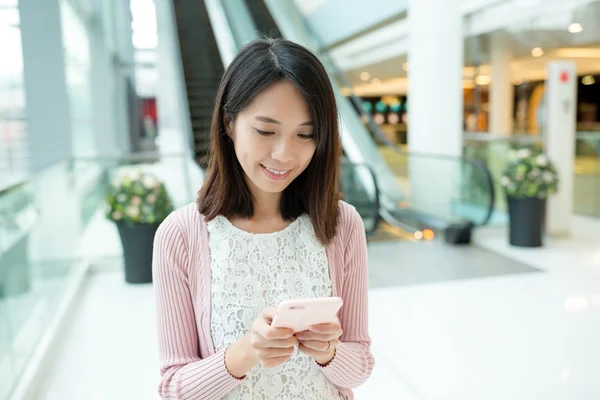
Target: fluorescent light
{"x": 588, "y": 80}
{"x": 575, "y": 28}
{"x": 537, "y": 52}
{"x": 365, "y": 76}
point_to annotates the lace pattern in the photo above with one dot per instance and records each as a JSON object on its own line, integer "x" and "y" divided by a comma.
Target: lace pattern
{"x": 253, "y": 271}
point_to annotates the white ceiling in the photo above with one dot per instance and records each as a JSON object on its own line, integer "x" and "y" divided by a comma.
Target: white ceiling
{"x": 558, "y": 43}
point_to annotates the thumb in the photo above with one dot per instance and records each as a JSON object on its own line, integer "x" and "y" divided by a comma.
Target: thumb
{"x": 269, "y": 313}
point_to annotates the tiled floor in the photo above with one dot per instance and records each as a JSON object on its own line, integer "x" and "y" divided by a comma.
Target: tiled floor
{"x": 449, "y": 324}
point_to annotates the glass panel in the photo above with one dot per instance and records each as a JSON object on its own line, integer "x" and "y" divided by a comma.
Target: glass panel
{"x": 52, "y": 223}
{"x": 14, "y": 143}
{"x": 77, "y": 72}
{"x": 354, "y": 181}
{"x": 493, "y": 151}
{"x": 587, "y": 174}
{"x": 586, "y": 168}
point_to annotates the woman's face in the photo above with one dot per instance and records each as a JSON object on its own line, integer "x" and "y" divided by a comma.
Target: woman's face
{"x": 273, "y": 138}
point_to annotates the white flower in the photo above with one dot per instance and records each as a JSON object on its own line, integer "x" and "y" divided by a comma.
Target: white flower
{"x": 135, "y": 175}
{"x": 146, "y": 209}
{"x": 541, "y": 160}
{"x": 136, "y": 200}
{"x": 520, "y": 177}
{"x": 534, "y": 173}
{"x": 117, "y": 215}
{"x": 151, "y": 198}
{"x": 505, "y": 181}
{"x": 149, "y": 181}
{"x": 548, "y": 177}
{"x": 524, "y": 153}
{"x": 132, "y": 211}
{"x": 122, "y": 198}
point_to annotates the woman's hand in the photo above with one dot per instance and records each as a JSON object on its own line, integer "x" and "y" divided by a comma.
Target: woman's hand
{"x": 271, "y": 346}
{"x": 320, "y": 341}
{"x": 264, "y": 345}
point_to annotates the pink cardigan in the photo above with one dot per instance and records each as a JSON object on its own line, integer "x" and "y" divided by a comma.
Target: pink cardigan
{"x": 182, "y": 283}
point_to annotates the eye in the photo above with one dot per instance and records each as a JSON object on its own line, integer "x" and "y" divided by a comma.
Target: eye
{"x": 307, "y": 136}
{"x": 263, "y": 133}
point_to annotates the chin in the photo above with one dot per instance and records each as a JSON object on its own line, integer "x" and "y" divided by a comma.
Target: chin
{"x": 273, "y": 188}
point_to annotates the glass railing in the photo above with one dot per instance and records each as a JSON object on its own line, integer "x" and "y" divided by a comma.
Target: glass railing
{"x": 586, "y": 200}
{"x": 52, "y": 228}
{"x": 493, "y": 149}
{"x": 357, "y": 193}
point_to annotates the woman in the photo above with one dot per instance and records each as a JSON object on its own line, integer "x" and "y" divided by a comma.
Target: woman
{"x": 268, "y": 226}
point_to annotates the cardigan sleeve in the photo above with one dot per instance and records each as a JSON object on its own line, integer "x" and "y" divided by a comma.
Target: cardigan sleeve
{"x": 353, "y": 361}
{"x": 184, "y": 374}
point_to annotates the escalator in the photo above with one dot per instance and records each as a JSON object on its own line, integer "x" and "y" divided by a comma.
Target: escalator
{"x": 262, "y": 18}
{"x": 202, "y": 69}
{"x": 472, "y": 197}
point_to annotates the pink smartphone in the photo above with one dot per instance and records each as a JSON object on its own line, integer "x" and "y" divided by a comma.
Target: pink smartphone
{"x": 301, "y": 314}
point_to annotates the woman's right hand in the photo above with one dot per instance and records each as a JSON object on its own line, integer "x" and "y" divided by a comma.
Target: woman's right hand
{"x": 271, "y": 346}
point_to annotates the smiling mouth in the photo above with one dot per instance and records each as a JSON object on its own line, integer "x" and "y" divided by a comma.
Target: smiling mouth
{"x": 276, "y": 174}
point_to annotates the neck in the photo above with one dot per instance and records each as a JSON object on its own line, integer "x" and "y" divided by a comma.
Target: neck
{"x": 266, "y": 205}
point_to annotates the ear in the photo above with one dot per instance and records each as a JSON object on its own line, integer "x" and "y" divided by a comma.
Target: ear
{"x": 228, "y": 124}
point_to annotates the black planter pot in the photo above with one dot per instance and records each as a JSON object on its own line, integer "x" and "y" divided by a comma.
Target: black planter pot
{"x": 137, "y": 241}
{"x": 526, "y": 221}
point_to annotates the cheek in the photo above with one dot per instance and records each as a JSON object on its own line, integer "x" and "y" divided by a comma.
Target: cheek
{"x": 307, "y": 154}
{"x": 245, "y": 146}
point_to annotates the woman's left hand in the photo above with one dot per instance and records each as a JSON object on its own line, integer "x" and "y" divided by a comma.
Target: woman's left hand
{"x": 320, "y": 341}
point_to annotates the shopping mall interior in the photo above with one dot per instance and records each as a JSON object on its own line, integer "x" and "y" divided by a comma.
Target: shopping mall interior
{"x": 471, "y": 150}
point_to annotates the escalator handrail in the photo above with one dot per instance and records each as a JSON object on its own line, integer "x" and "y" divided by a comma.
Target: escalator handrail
{"x": 377, "y": 201}
{"x": 374, "y": 128}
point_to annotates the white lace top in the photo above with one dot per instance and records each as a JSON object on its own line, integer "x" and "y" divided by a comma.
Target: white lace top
{"x": 253, "y": 271}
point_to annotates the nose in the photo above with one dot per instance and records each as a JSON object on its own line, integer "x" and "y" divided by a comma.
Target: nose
{"x": 283, "y": 151}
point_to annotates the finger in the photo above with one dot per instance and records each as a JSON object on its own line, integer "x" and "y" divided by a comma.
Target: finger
{"x": 268, "y": 313}
{"x": 326, "y": 328}
{"x": 264, "y": 354}
{"x": 308, "y": 351}
{"x": 278, "y": 343}
{"x": 274, "y": 362}
{"x": 262, "y": 328}
{"x": 324, "y": 337}
{"x": 319, "y": 346}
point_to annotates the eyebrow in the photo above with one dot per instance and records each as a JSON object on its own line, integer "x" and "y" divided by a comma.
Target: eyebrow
{"x": 274, "y": 121}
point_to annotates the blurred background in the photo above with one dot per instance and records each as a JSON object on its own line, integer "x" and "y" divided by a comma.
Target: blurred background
{"x": 437, "y": 99}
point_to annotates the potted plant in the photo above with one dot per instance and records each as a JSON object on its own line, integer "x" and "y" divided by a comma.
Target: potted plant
{"x": 137, "y": 202}
{"x": 528, "y": 180}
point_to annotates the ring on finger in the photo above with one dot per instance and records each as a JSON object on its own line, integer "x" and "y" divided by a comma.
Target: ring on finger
{"x": 328, "y": 345}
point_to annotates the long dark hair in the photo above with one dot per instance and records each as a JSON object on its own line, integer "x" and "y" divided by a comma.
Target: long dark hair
{"x": 315, "y": 191}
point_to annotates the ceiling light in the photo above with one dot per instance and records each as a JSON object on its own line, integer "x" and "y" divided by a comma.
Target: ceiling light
{"x": 575, "y": 28}
{"x": 365, "y": 76}
{"x": 483, "y": 80}
{"x": 405, "y": 66}
{"x": 588, "y": 80}
{"x": 537, "y": 52}
{"x": 376, "y": 81}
